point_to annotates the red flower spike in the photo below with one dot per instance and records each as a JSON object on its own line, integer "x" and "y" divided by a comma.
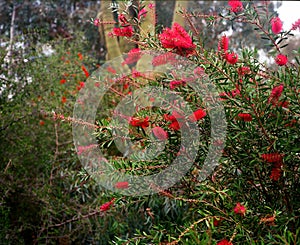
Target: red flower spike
{"x": 296, "y": 25}
{"x": 272, "y": 157}
{"x": 122, "y": 185}
{"x": 63, "y": 81}
{"x": 276, "y": 24}
{"x": 246, "y": 117}
{"x": 275, "y": 173}
{"x": 239, "y": 209}
{"x": 235, "y": 5}
{"x": 63, "y": 99}
{"x": 42, "y": 123}
{"x": 281, "y": 60}
{"x": 166, "y": 58}
{"x": 231, "y": 58}
{"x": 80, "y": 56}
{"x": 224, "y": 242}
{"x": 177, "y": 38}
{"x": 106, "y": 206}
{"x": 86, "y": 73}
{"x": 223, "y": 44}
{"x": 275, "y": 94}
{"x": 142, "y": 13}
{"x": 160, "y": 133}
{"x": 139, "y": 122}
{"x": 126, "y": 31}
{"x": 176, "y": 83}
{"x": 197, "y": 115}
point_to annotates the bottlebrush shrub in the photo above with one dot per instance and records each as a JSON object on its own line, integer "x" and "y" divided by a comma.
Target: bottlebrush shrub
{"x": 259, "y": 166}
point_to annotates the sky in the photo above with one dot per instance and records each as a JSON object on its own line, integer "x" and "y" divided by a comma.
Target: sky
{"x": 289, "y": 13}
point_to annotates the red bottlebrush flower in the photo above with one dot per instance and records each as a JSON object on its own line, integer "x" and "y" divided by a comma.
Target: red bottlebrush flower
{"x": 122, "y": 185}
{"x": 177, "y": 38}
{"x": 126, "y": 31}
{"x": 239, "y": 209}
{"x": 122, "y": 19}
{"x": 175, "y": 125}
{"x": 276, "y": 24}
{"x": 160, "y": 133}
{"x": 86, "y": 73}
{"x": 246, "y": 117}
{"x": 296, "y": 25}
{"x": 244, "y": 70}
{"x": 139, "y": 122}
{"x": 224, "y": 242}
{"x": 197, "y": 115}
{"x": 151, "y": 5}
{"x": 231, "y": 58}
{"x": 281, "y": 59}
{"x": 275, "y": 94}
{"x": 223, "y": 44}
{"x": 106, "y": 206}
{"x": 272, "y": 157}
{"x": 62, "y": 81}
{"x": 176, "y": 83}
{"x": 174, "y": 118}
{"x": 63, "y": 99}
{"x": 236, "y": 5}
{"x": 275, "y": 173}
{"x": 96, "y": 22}
{"x": 80, "y": 56}
{"x": 42, "y": 123}
{"x": 133, "y": 56}
{"x": 283, "y": 104}
{"x": 142, "y": 13}
{"x": 166, "y": 58}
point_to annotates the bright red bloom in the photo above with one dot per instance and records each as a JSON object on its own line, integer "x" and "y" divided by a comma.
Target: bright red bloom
{"x": 246, "y": 117}
{"x": 176, "y": 83}
{"x": 133, "y": 56}
{"x": 275, "y": 94}
{"x": 63, "y": 99}
{"x": 296, "y": 25}
{"x": 142, "y": 13}
{"x": 272, "y": 157}
{"x": 42, "y": 123}
{"x": 86, "y": 73}
{"x": 281, "y": 59}
{"x": 175, "y": 119}
{"x": 106, "y": 206}
{"x": 111, "y": 70}
{"x": 276, "y": 24}
{"x": 62, "y": 81}
{"x": 223, "y": 44}
{"x": 160, "y": 133}
{"x": 224, "y": 242}
{"x": 276, "y": 173}
{"x": 231, "y": 58}
{"x": 139, "y": 122}
{"x": 96, "y": 22}
{"x": 197, "y": 115}
{"x": 177, "y": 38}
{"x": 244, "y": 70}
{"x": 80, "y": 56}
{"x": 126, "y": 31}
{"x": 122, "y": 185}
{"x": 236, "y": 5}
{"x": 122, "y": 19}
{"x": 239, "y": 209}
